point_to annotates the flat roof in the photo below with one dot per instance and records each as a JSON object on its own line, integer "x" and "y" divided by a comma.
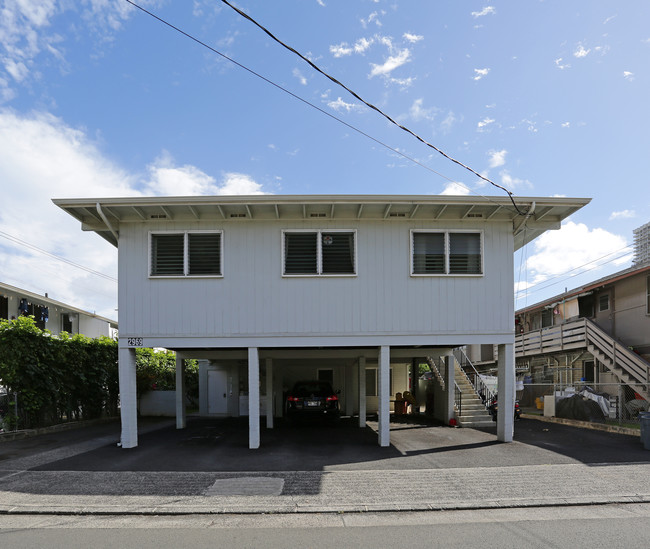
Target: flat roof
{"x": 52, "y": 302}
{"x": 532, "y": 217}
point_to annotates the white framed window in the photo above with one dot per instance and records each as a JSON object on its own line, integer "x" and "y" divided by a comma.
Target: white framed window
{"x": 603, "y": 303}
{"x": 185, "y": 254}
{"x": 445, "y": 253}
{"x": 319, "y": 252}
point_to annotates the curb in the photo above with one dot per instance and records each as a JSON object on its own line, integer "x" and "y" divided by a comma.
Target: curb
{"x": 585, "y": 425}
{"x": 311, "y": 510}
{"x": 25, "y": 433}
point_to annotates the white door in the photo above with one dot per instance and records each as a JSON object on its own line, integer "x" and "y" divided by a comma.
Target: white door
{"x": 217, "y": 392}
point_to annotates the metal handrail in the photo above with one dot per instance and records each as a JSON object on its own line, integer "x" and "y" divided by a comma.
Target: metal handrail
{"x": 486, "y": 394}
{"x": 458, "y": 398}
{"x": 434, "y": 368}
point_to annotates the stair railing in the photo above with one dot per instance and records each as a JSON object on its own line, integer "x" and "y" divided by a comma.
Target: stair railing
{"x": 482, "y": 390}
{"x": 436, "y": 371}
{"x": 458, "y": 399}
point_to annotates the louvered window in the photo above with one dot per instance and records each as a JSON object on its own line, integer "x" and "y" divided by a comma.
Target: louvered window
{"x": 446, "y": 253}
{"x": 204, "y": 254}
{"x": 300, "y": 255}
{"x": 167, "y": 254}
{"x": 464, "y": 253}
{"x": 428, "y": 253}
{"x": 319, "y": 253}
{"x": 186, "y": 254}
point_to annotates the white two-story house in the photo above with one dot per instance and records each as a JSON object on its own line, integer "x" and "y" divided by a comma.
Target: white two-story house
{"x": 269, "y": 288}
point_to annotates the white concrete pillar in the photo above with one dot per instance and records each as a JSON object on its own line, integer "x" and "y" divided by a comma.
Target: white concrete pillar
{"x": 362, "y": 391}
{"x": 269, "y": 393}
{"x": 253, "y": 398}
{"x": 506, "y": 393}
{"x": 384, "y": 395}
{"x": 128, "y": 398}
{"x": 450, "y": 386}
{"x": 181, "y": 418}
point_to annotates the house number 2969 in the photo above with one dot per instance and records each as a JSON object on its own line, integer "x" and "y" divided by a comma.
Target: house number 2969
{"x": 134, "y": 342}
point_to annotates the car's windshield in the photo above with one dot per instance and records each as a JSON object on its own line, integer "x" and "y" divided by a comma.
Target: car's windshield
{"x": 308, "y": 388}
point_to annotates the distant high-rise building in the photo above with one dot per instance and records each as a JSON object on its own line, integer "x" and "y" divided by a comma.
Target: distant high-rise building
{"x": 641, "y": 245}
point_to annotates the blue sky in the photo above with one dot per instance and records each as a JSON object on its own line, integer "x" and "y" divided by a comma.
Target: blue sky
{"x": 99, "y": 99}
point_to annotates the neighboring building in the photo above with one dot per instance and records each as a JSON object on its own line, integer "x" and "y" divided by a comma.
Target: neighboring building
{"x": 53, "y": 315}
{"x": 597, "y": 334}
{"x": 641, "y": 245}
{"x": 269, "y": 289}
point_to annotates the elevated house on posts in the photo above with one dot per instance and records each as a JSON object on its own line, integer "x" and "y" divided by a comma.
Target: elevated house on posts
{"x": 271, "y": 289}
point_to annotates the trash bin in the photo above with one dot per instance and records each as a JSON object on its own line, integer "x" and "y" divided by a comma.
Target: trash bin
{"x": 644, "y": 420}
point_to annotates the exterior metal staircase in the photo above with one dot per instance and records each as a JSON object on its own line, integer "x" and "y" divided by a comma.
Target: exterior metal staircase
{"x": 470, "y": 408}
{"x": 627, "y": 366}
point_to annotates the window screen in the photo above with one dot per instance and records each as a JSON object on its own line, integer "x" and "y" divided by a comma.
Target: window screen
{"x": 167, "y": 254}
{"x": 204, "y": 255}
{"x": 338, "y": 253}
{"x": 464, "y": 253}
{"x": 300, "y": 251}
{"x": 428, "y": 253}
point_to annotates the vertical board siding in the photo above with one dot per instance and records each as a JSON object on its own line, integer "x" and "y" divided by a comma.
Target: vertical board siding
{"x": 253, "y": 298}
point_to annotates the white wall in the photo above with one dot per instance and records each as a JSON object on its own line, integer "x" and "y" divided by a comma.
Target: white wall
{"x": 253, "y": 298}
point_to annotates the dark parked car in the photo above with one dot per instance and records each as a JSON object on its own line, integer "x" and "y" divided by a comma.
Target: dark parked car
{"x": 312, "y": 399}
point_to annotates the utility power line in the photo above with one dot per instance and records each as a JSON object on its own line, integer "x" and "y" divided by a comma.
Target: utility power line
{"x": 57, "y": 257}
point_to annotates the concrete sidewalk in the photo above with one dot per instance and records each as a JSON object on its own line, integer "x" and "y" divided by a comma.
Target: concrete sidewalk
{"x": 325, "y": 470}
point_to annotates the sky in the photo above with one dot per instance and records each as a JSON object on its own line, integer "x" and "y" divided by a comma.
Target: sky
{"x": 99, "y": 99}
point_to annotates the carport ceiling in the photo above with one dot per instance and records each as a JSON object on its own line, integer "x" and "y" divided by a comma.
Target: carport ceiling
{"x": 370, "y": 353}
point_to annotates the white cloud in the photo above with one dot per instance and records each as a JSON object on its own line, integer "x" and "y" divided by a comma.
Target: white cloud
{"x": 25, "y": 31}
{"x": 417, "y": 112}
{"x": 42, "y": 158}
{"x": 340, "y": 105}
{"x": 373, "y": 18}
{"x": 566, "y": 124}
{"x": 413, "y": 38}
{"x": 480, "y": 73}
{"x": 361, "y": 45}
{"x": 448, "y": 122}
{"x": 483, "y": 124}
{"x": 320, "y": 3}
{"x": 299, "y": 76}
{"x": 513, "y": 182}
{"x": 581, "y": 51}
{"x": 560, "y": 65}
{"x": 623, "y": 214}
{"x": 340, "y": 50}
{"x": 628, "y": 75}
{"x": 165, "y": 179}
{"x": 574, "y": 245}
{"x": 392, "y": 63}
{"x": 455, "y": 188}
{"x": 487, "y": 10}
{"x": 234, "y": 183}
{"x": 497, "y": 158}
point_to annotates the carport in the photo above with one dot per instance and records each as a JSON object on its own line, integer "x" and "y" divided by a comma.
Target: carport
{"x": 252, "y": 382}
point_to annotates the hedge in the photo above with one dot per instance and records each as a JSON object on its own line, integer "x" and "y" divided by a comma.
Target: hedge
{"x": 66, "y": 378}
